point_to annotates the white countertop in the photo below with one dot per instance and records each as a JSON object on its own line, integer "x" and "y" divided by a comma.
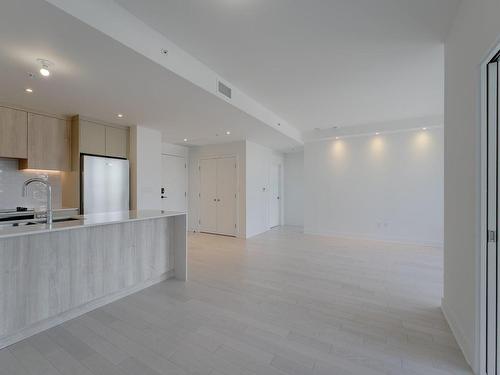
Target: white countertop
{"x": 86, "y": 221}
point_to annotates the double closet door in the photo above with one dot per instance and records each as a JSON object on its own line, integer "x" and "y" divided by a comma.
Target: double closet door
{"x": 218, "y": 196}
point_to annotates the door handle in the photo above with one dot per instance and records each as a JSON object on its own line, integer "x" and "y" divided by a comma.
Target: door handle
{"x": 162, "y": 197}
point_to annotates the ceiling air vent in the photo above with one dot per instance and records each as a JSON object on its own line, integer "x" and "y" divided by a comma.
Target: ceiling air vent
{"x": 224, "y": 90}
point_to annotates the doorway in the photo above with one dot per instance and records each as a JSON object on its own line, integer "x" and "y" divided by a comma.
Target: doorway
{"x": 174, "y": 183}
{"x": 275, "y": 196}
{"x": 218, "y": 196}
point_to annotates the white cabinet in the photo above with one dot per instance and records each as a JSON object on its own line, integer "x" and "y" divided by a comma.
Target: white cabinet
{"x": 218, "y": 195}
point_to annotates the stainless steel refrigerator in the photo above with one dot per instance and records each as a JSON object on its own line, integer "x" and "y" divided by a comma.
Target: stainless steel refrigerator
{"x": 104, "y": 184}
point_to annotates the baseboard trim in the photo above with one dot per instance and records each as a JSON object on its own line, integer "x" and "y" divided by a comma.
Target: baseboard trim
{"x": 462, "y": 340}
{"x": 403, "y": 241}
{"x": 51, "y": 322}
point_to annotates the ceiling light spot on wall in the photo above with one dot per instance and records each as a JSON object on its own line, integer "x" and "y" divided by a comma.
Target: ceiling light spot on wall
{"x": 28, "y": 90}
{"x": 424, "y": 129}
{"x": 377, "y": 133}
{"x": 185, "y": 139}
{"x": 377, "y": 147}
{"x": 228, "y": 133}
{"x": 120, "y": 115}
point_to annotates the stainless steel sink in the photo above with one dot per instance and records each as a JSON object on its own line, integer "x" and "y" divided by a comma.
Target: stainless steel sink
{"x": 65, "y": 219}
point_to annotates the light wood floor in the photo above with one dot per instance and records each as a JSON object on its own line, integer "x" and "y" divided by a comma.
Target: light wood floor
{"x": 281, "y": 303}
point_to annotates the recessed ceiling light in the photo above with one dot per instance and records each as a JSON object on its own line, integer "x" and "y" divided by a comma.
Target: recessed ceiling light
{"x": 336, "y": 137}
{"x": 120, "y": 115}
{"x": 185, "y": 139}
{"x": 377, "y": 133}
{"x": 424, "y": 128}
{"x": 228, "y": 133}
{"x": 28, "y": 90}
{"x": 44, "y": 69}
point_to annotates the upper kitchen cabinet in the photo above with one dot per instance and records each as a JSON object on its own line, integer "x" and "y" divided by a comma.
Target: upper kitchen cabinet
{"x": 48, "y": 143}
{"x": 101, "y": 140}
{"x": 13, "y": 133}
{"x": 116, "y": 142}
{"x": 92, "y": 138}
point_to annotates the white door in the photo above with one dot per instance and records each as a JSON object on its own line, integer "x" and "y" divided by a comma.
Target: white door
{"x": 492, "y": 259}
{"x": 208, "y": 195}
{"x": 226, "y": 196}
{"x": 275, "y": 196}
{"x": 174, "y": 183}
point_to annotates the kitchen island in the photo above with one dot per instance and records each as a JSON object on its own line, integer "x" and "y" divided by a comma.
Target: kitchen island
{"x": 52, "y": 273}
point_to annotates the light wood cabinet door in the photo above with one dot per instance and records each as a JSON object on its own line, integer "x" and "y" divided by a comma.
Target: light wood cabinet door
{"x": 13, "y": 133}
{"x": 92, "y": 138}
{"x": 48, "y": 143}
{"x": 116, "y": 142}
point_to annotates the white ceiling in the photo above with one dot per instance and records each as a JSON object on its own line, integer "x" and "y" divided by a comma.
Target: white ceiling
{"x": 97, "y": 77}
{"x": 317, "y": 63}
{"x": 314, "y": 63}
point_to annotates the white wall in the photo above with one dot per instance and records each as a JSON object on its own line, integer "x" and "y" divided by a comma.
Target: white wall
{"x": 382, "y": 187}
{"x": 11, "y": 182}
{"x": 474, "y": 32}
{"x": 259, "y": 160}
{"x": 226, "y": 149}
{"x": 145, "y": 160}
{"x": 294, "y": 189}
{"x": 174, "y": 150}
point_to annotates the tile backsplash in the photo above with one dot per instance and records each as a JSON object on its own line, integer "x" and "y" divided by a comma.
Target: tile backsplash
{"x": 11, "y": 181}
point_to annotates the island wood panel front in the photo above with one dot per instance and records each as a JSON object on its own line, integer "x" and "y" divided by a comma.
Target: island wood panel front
{"x": 49, "y": 278}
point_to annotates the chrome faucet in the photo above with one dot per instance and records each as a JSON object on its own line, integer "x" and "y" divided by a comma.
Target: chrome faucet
{"x": 49, "y": 194}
